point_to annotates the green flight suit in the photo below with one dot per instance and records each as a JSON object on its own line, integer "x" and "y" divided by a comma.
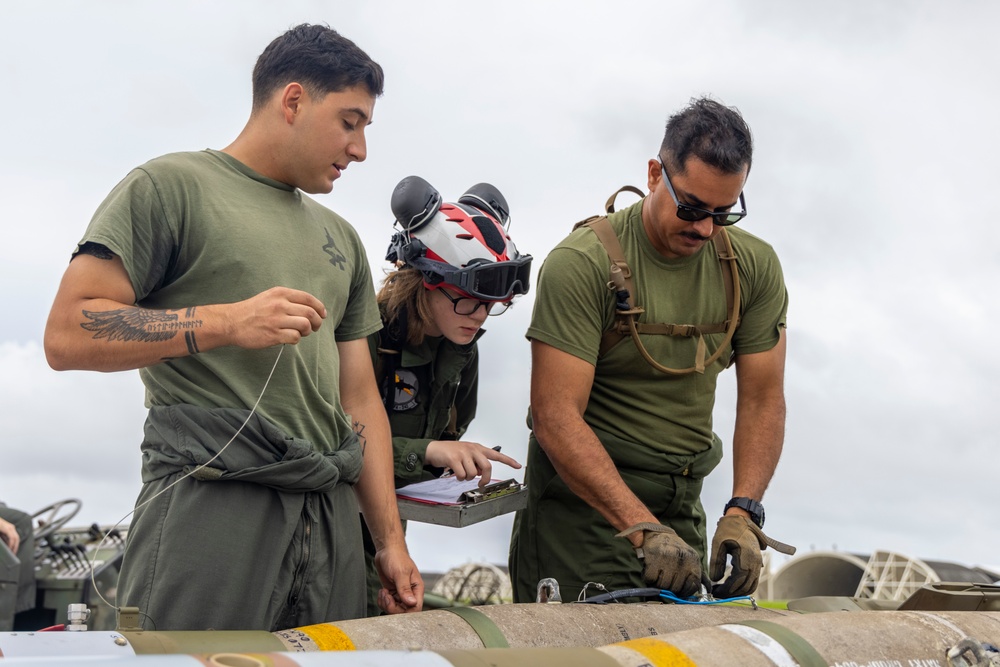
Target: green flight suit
{"x": 266, "y": 535}
{"x": 436, "y": 379}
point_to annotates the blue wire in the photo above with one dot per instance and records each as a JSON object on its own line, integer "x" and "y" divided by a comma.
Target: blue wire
{"x": 667, "y": 595}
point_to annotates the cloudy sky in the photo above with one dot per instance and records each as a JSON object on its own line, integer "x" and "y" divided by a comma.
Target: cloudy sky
{"x": 874, "y": 177}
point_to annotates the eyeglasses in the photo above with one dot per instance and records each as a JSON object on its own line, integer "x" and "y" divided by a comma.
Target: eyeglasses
{"x": 464, "y": 305}
{"x": 692, "y": 214}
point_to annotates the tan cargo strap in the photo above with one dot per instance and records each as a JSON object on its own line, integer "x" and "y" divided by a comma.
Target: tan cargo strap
{"x": 626, "y": 310}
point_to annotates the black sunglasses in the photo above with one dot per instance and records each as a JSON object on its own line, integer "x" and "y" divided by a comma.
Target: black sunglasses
{"x": 693, "y": 214}
{"x": 463, "y": 305}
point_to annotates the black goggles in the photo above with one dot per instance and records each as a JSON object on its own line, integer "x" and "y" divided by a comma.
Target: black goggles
{"x": 693, "y": 214}
{"x": 492, "y": 281}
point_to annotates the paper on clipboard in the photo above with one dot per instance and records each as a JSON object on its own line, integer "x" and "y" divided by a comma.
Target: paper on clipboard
{"x": 440, "y": 491}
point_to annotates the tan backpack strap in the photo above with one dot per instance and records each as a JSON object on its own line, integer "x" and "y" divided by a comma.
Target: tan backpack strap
{"x": 727, "y": 257}
{"x": 621, "y": 274}
{"x": 621, "y": 280}
{"x": 727, "y": 260}
{"x": 609, "y": 206}
{"x": 681, "y": 330}
{"x": 731, "y": 278}
{"x": 627, "y": 312}
{"x": 586, "y": 222}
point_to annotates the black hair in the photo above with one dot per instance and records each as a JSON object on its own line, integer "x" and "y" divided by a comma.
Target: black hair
{"x": 319, "y": 58}
{"x": 710, "y": 131}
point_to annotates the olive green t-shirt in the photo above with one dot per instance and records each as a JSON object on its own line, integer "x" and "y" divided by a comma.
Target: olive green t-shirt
{"x": 202, "y": 228}
{"x": 631, "y": 400}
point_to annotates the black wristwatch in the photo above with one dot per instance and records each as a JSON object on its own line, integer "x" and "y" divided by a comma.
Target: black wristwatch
{"x": 752, "y": 507}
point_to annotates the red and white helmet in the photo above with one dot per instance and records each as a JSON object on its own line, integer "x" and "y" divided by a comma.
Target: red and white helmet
{"x": 464, "y": 244}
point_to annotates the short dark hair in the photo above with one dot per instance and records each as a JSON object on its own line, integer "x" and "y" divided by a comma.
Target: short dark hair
{"x": 319, "y": 58}
{"x": 710, "y": 131}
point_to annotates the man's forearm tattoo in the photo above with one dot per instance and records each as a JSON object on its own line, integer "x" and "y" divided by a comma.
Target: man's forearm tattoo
{"x": 359, "y": 428}
{"x": 139, "y": 324}
{"x": 189, "y": 338}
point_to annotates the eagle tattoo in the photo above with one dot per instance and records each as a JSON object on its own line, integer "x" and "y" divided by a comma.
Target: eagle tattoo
{"x": 135, "y": 324}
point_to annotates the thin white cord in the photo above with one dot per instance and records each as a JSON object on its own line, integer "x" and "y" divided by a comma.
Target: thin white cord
{"x": 253, "y": 410}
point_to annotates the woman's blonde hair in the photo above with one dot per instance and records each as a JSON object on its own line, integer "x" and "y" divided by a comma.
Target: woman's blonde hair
{"x": 403, "y": 290}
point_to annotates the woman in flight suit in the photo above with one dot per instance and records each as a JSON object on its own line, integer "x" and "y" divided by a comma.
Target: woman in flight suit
{"x": 455, "y": 265}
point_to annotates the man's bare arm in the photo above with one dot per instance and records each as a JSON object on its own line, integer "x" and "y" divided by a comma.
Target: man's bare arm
{"x": 403, "y": 587}
{"x": 94, "y": 323}
{"x": 760, "y": 421}
{"x": 560, "y": 389}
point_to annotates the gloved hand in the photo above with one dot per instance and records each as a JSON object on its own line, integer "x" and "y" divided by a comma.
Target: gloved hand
{"x": 668, "y": 562}
{"x": 739, "y": 537}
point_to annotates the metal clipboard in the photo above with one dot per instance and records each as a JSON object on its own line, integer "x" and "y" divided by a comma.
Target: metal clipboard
{"x": 476, "y": 505}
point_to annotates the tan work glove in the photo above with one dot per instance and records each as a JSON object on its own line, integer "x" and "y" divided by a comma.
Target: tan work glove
{"x": 668, "y": 562}
{"x": 739, "y": 537}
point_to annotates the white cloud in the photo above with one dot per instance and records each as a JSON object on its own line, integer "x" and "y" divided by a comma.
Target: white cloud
{"x": 72, "y": 435}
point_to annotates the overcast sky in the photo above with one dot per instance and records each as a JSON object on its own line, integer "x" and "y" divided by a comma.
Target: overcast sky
{"x": 874, "y": 178}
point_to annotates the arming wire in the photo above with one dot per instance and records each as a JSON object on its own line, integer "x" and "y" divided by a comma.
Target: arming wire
{"x": 662, "y": 594}
{"x": 668, "y": 596}
{"x": 253, "y": 411}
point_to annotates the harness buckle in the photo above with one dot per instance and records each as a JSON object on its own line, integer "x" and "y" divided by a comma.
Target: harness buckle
{"x": 688, "y": 330}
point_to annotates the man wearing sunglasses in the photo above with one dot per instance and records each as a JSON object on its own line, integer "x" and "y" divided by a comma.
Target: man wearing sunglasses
{"x": 622, "y": 435}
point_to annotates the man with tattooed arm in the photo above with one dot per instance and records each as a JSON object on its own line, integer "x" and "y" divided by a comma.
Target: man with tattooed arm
{"x": 224, "y": 284}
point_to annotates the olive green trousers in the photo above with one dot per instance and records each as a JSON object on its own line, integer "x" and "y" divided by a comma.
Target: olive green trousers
{"x": 558, "y": 535}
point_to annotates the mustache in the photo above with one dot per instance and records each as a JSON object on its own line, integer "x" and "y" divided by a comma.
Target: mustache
{"x": 694, "y": 236}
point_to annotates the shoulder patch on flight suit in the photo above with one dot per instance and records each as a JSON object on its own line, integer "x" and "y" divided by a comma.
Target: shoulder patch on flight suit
{"x": 407, "y": 388}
